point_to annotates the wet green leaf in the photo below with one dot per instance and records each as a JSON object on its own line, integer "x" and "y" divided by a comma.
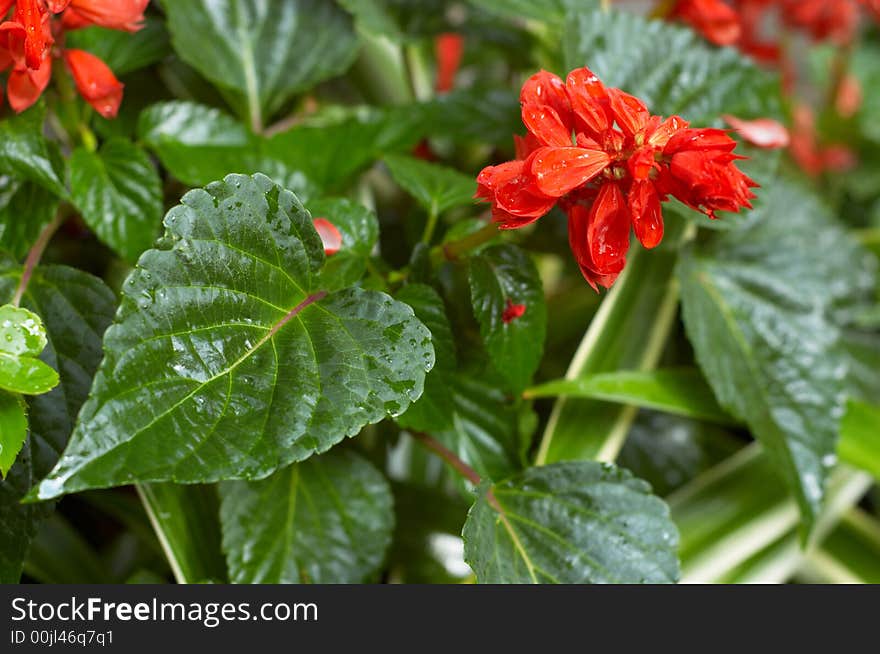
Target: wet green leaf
{"x": 226, "y": 340}
{"x": 119, "y": 194}
{"x": 22, "y": 339}
{"x": 762, "y": 306}
{"x": 571, "y": 523}
{"x": 327, "y": 520}
{"x": 509, "y": 305}
{"x": 13, "y": 429}
{"x": 261, "y": 52}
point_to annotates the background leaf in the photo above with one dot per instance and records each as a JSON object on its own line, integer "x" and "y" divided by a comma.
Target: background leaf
{"x": 25, "y": 152}
{"x": 76, "y": 308}
{"x": 119, "y": 194}
{"x": 499, "y": 276}
{"x": 13, "y": 429}
{"x": 327, "y": 520}
{"x": 224, "y": 340}
{"x": 762, "y": 307}
{"x": 672, "y": 69}
{"x": 437, "y": 188}
{"x": 571, "y": 523}
{"x": 263, "y": 52}
{"x": 25, "y": 209}
{"x": 360, "y": 231}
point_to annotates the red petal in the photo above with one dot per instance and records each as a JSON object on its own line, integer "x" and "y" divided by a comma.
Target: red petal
{"x": 56, "y": 6}
{"x": 630, "y": 112}
{"x": 699, "y": 139}
{"x": 714, "y": 19}
{"x": 661, "y": 134}
{"x": 546, "y": 88}
{"x": 511, "y": 188}
{"x": 448, "y": 48}
{"x": 608, "y": 230}
{"x": 642, "y": 162}
{"x": 95, "y": 82}
{"x": 525, "y": 145}
{"x": 647, "y": 216}
{"x": 30, "y": 14}
{"x": 26, "y": 86}
{"x": 763, "y": 132}
{"x": 578, "y": 226}
{"x": 330, "y": 236}
{"x": 126, "y": 15}
{"x": 543, "y": 121}
{"x": 560, "y": 170}
{"x": 588, "y": 100}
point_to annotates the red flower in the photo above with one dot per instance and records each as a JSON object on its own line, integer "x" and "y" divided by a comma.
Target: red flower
{"x": 512, "y": 312}
{"x": 449, "y": 49}
{"x": 25, "y": 47}
{"x": 125, "y": 15}
{"x": 95, "y": 82}
{"x": 714, "y": 19}
{"x": 600, "y": 155}
{"x": 330, "y": 236}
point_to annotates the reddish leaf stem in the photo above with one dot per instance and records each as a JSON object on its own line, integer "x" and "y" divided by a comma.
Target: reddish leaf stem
{"x": 36, "y": 253}
{"x": 449, "y": 456}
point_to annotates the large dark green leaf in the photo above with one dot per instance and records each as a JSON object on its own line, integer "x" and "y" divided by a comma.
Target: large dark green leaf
{"x": 670, "y": 68}
{"x": 25, "y": 208}
{"x": 76, "y": 308}
{"x": 762, "y": 307}
{"x": 502, "y": 278}
{"x": 260, "y": 51}
{"x": 26, "y": 153}
{"x": 228, "y": 361}
{"x": 326, "y": 520}
{"x": 119, "y": 195}
{"x": 571, "y": 523}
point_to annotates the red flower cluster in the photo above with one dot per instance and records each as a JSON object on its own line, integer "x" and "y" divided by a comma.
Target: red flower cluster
{"x": 741, "y": 22}
{"x": 35, "y": 26}
{"x": 600, "y": 155}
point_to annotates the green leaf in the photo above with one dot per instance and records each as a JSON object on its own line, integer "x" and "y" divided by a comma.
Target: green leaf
{"x": 485, "y": 430}
{"x": 500, "y": 277}
{"x": 22, "y": 339}
{"x": 25, "y": 209}
{"x": 550, "y": 11}
{"x": 850, "y": 554}
{"x": 26, "y": 153}
{"x": 224, "y": 339}
{"x": 123, "y": 52}
{"x": 185, "y": 518}
{"x": 263, "y": 52}
{"x": 434, "y": 410}
{"x": 327, "y": 520}
{"x": 617, "y": 339}
{"x": 75, "y": 307}
{"x": 360, "y": 231}
{"x": 437, "y": 188}
{"x": 119, "y": 194}
{"x": 860, "y": 437}
{"x": 13, "y": 429}
{"x": 672, "y": 69}
{"x": 480, "y": 114}
{"x": 197, "y": 144}
{"x": 682, "y": 392}
{"x": 571, "y": 523}
{"x": 762, "y": 307}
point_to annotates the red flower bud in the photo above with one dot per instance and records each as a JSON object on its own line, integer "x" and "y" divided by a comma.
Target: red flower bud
{"x": 95, "y": 82}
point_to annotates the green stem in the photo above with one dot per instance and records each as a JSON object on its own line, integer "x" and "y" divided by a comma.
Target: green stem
{"x": 431, "y": 225}
{"x": 36, "y": 253}
{"x": 456, "y": 249}
{"x": 380, "y": 72}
